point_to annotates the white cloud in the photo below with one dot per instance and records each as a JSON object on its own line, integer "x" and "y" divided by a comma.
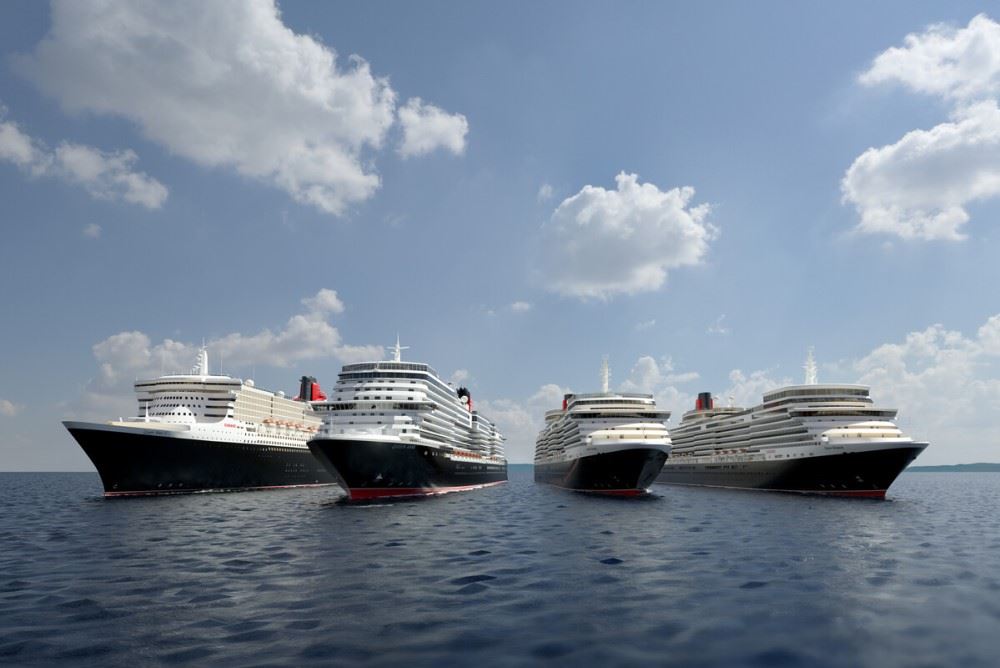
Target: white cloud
{"x": 947, "y": 387}
{"x": 545, "y": 192}
{"x": 520, "y": 307}
{"x": 944, "y": 61}
{"x": 459, "y": 377}
{"x": 945, "y": 384}
{"x": 600, "y": 243}
{"x": 92, "y": 231}
{"x": 660, "y": 379}
{"x": 8, "y": 408}
{"x": 325, "y": 301}
{"x": 110, "y": 176}
{"x": 920, "y": 186}
{"x": 644, "y": 325}
{"x": 22, "y": 150}
{"x": 719, "y": 326}
{"x": 128, "y": 355}
{"x": 427, "y": 128}
{"x": 748, "y": 389}
{"x": 650, "y": 376}
{"x": 224, "y": 84}
{"x": 645, "y": 376}
{"x": 520, "y": 421}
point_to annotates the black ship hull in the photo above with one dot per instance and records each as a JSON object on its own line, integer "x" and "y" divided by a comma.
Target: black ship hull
{"x": 622, "y": 473}
{"x": 859, "y": 474}
{"x": 385, "y": 469}
{"x": 138, "y": 464}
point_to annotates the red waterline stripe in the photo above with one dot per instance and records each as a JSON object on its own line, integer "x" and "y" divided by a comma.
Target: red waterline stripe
{"x": 607, "y": 492}
{"x": 855, "y": 493}
{"x": 169, "y": 492}
{"x": 367, "y": 493}
{"x": 864, "y": 494}
{"x": 618, "y": 492}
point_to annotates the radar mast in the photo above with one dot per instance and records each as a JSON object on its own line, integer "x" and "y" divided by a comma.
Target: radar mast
{"x": 810, "y": 367}
{"x": 397, "y": 350}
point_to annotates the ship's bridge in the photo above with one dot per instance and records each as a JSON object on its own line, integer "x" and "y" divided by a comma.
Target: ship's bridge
{"x": 817, "y": 393}
{"x": 388, "y": 366}
{"x": 599, "y": 400}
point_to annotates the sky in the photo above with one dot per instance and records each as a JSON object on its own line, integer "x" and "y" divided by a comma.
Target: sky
{"x": 699, "y": 191}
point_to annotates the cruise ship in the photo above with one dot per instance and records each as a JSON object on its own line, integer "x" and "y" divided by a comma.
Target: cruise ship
{"x": 607, "y": 442}
{"x": 395, "y": 429}
{"x": 811, "y": 438}
{"x": 202, "y": 432}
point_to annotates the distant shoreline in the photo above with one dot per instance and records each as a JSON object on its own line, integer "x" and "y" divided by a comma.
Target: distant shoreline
{"x": 956, "y": 468}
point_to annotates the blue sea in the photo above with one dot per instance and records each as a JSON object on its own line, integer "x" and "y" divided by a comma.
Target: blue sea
{"x": 507, "y": 576}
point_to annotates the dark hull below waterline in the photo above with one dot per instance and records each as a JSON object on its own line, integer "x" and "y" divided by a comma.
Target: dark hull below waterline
{"x": 864, "y": 474}
{"x": 133, "y": 464}
{"x": 623, "y": 473}
{"x": 378, "y": 469}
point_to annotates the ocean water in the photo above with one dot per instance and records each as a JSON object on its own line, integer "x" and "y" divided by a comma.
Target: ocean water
{"x": 511, "y": 575}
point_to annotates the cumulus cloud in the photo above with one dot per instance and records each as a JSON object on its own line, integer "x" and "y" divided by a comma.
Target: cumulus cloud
{"x": 545, "y": 192}
{"x": 325, "y": 301}
{"x": 947, "y": 386}
{"x": 747, "y": 389}
{"x": 127, "y": 355}
{"x": 227, "y": 84}
{"x": 644, "y": 325}
{"x": 22, "y": 150}
{"x": 109, "y": 176}
{"x": 919, "y": 187}
{"x": 600, "y": 243}
{"x": 427, "y": 128}
{"x": 92, "y": 231}
{"x": 651, "y": 376}
{"x": 521, "y": 420}
{"x": 520, "y": 307}
{"x": 9, "y": 408}
{"x": 944, "y": 61}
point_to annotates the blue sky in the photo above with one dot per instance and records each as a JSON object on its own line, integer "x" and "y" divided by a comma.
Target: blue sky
{"x": 804, "y": 175}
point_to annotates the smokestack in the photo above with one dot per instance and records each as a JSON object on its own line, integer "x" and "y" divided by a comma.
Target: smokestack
{"x": 704, "y": 402}
{"x": 466, "y": 397}
{"x": 316, "y": 394}
{"x": 309, "y": 390}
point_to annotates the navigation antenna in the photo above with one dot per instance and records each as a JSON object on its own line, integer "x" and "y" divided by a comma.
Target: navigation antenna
{"x": 201, "y": 366}
{"x": 397, "y": 350}
{"x": 810, "y": 367}
{"x": 605, "y": 375}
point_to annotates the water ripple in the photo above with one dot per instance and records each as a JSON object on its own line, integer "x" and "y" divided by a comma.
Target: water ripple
{"x": 512, "y": 575}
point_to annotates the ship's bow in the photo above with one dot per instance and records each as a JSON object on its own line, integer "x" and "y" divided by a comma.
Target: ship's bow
{"x": 375, "y": 469}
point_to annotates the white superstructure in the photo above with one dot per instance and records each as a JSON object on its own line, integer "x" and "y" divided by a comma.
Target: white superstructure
{"x": 200, "y": 405}
{"x": 792, "y": 422}
{"x": 393, "y": 400}
{"x": 601, "y": 423}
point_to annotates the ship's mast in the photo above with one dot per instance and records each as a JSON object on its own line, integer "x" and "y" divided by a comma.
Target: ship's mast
{"x": 810, "y": 367}
{"x": 397, "y": 350}
{"x": 201, "y": 365}
{"x": 605, "y": 375}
